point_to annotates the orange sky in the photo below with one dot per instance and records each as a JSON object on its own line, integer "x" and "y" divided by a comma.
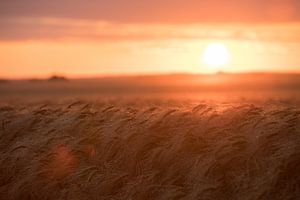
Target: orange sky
{"x": 77, "y": 39}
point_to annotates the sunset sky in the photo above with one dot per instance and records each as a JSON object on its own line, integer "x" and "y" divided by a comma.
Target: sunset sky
{"x": 81, "y": 38}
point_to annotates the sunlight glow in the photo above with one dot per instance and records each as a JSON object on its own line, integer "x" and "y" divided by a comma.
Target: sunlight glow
{"x": 216, "y": 55}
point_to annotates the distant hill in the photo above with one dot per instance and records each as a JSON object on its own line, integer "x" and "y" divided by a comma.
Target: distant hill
{"x": 3, "y": 81}
{"x": 57, "y": 78}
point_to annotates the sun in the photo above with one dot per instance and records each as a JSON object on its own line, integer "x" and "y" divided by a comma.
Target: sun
{"x": 216, "y": 55}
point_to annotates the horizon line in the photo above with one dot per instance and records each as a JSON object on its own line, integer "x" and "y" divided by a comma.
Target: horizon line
{"x": 133, "y": 75}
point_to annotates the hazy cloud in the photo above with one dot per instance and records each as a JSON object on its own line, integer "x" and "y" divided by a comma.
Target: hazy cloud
{"x": 166, "y": 11}
{"x": 145, "y": 19}
{"x": 71, "y": 29}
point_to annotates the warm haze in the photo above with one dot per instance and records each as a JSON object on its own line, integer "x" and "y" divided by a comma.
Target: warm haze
{"x": 149, "y": 99}
{"x": 39, "y": 38}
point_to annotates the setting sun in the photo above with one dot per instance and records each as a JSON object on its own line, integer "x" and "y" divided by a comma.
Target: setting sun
{"x": 150, "y": 99}
{"x": 216, "y": 55}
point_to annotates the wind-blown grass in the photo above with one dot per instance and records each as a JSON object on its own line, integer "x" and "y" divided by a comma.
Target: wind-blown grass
{"x": 149, "y": 150}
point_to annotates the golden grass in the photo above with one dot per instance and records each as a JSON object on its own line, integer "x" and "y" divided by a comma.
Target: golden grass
{"x": 149, "y": 150}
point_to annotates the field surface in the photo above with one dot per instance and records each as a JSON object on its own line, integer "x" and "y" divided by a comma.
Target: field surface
{"x": 157, "y": 137}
